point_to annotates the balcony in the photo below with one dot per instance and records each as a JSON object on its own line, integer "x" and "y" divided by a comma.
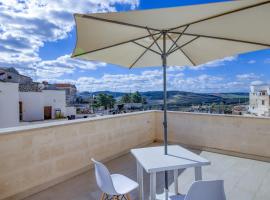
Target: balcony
{"x": 51, "y": 161}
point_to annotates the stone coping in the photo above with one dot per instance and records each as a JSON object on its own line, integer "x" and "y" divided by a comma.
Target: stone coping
{"x": 16, "y": 129}
{"x": 216, "y": 115}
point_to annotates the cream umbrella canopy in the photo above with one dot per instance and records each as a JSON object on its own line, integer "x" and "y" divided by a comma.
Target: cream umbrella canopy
{"x": 182, "y": 36}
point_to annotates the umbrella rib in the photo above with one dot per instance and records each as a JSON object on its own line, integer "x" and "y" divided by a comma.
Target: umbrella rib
{"x": 154, "y": 39}
{"x": 115, "y": 22}
{"x": 222, "y": 38}
{"x": 180, "y": 35}
{"x": 146, "y": 48}
{"x": 172, "y": 41}
{"x": 220, "y": 15}
{"x": 176, "y": 45}
{"x": 144, "y": 52}
{"x": 114, "y": 45}
{"x": 180, "y": 47}
{"x": 190, "y": 60}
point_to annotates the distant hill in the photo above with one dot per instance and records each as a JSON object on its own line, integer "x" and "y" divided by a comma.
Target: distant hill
{"x": 114, "y": 94}
{"x": 189, "y": 98}
{"x": 88, "y": 94}
{"x": 182, "y": 98}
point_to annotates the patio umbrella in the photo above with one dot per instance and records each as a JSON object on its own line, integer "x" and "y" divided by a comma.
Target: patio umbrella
{"x": 182, "y": 36}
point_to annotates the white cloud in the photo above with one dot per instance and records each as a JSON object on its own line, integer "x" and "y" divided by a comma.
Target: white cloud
{"x": 257, "y": 82}
{"x": 201, "y": 83}
{"x": 251, "y": 61}
{"x": 63, "y": 65}
{"x": 26, "y": 25}
{"x": 248, "y": 77}
{"x": 175, "y": 68}
{"x": 216, "y": 63}
{"x": 146, "y": 81}
{"x": 243, "y": 81}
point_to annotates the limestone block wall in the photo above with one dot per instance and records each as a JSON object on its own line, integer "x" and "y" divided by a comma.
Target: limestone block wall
{"x": 37, "y": 156}
{"x": 228, "y": 133}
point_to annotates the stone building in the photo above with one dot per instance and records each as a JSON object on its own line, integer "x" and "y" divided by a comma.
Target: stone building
{"x": 11, "y": 75}
{"x": 259, "y": 103}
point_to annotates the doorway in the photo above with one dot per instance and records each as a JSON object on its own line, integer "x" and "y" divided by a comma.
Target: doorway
{"x": 47, "y": 112}
{"x": 20, "y": 111}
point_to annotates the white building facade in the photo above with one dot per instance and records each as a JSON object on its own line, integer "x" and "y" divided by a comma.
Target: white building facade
{"x": 9, "y": 104}
{"x": 30, "y": 106}
{"x": 44, "y": 105}
{"x": 259, "y": 100}
{"x": 55, "y": 100}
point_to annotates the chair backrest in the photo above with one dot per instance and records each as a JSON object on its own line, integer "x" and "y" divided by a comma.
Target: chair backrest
{"x": 206, "y": 190}
{"x": 103, "y": 178}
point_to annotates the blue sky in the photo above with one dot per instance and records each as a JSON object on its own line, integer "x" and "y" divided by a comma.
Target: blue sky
{"x": 39, "y": 44}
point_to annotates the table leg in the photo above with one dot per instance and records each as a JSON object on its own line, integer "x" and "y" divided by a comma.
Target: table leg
{"x": 175, "y": 177}
{"x": 153, "y": 186}
{"x": 140, "y": 180}
{"x": 198, "y": 173}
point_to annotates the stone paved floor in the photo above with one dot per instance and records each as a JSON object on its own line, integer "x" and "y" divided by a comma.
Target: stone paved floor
{"x": 244, "y": 179}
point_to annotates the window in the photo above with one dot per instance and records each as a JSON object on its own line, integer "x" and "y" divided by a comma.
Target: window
{"x": 262, "y": 102}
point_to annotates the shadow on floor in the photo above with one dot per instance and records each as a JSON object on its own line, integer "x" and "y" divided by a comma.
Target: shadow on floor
{"x": 83, "y": 187}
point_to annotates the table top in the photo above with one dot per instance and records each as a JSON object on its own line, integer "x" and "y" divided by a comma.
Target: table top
{"x": 153, "y": 159}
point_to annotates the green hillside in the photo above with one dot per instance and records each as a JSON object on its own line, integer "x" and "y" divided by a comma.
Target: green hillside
{"x": 181, "y": 98}
{"x": 189, "y": 98}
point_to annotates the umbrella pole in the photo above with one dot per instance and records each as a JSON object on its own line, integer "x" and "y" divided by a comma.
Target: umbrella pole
{"x": 164, "y": 65}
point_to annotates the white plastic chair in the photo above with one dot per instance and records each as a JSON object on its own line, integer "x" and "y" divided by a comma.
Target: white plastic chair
{"x": 204, "y": 190}
{"x": 115, "y": 186}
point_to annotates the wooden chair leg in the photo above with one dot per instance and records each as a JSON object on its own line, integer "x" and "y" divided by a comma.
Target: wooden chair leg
{"x": 102, "y": 196}
{"x": 128, "y": 196}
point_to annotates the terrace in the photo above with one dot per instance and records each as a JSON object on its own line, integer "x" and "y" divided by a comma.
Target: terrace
{"x": 51, "y": 161}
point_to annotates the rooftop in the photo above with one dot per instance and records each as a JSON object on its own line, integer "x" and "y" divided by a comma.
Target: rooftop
{"x": 63, "y": 85}
{"x": 30, "y": 87}
{"x": 10, "y": 69}
{"x": 52, "y": 160}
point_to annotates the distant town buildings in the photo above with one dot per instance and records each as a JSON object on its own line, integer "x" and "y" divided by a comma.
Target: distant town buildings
{"x": 240, "y": 110}
{"x": 70, "y": 90}
{"x": 259, "y": 103}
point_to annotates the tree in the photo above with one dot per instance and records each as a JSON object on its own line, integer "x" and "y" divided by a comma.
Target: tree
{"x": 213, "y": 108}
{"x": 105, "y": 100}
{"x": 126, "y": 98}
{"x": 144, "y": 101}
{"x": 136, "y": 97}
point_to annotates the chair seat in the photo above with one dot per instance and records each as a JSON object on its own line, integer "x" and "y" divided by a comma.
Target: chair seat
{"x": 123, "y": 184}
